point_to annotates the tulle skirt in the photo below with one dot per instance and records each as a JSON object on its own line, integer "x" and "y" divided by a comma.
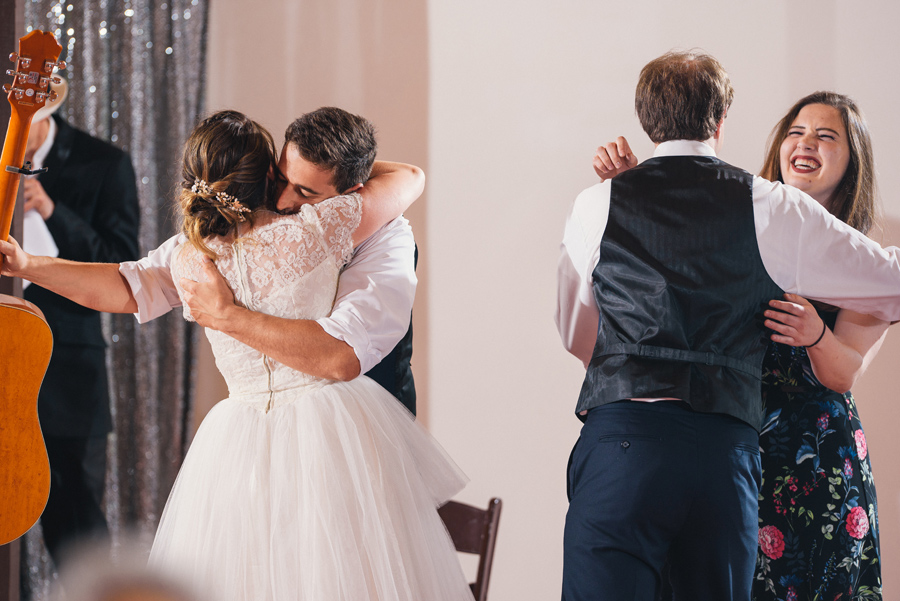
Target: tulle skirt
{"x": 330, "y": 495}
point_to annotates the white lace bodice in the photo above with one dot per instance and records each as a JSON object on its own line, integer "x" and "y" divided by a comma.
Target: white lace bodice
{"x": 287, "y": 266}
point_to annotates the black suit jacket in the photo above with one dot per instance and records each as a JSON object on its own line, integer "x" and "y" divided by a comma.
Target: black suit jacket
{"x": 95, "y": 219}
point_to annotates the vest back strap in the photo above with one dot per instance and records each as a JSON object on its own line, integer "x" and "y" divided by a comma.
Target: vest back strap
{"x": 673, "y": 354}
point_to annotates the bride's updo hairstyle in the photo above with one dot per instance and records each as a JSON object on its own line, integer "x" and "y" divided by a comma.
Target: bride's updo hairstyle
{"x": 225, "y": 169}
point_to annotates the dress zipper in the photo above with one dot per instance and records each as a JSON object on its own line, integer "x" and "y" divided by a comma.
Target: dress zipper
{"x": 238, "y": 248}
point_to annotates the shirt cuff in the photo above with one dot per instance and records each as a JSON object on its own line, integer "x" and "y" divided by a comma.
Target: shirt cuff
{"x": 153, "y": 298}
{"x": 358, "y": 339}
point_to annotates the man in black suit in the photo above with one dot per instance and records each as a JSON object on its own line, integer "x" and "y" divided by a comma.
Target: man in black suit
{"x": 87, "y": 199}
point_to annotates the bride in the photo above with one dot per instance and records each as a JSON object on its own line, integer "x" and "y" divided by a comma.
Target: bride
{"x": 295, "y": 487}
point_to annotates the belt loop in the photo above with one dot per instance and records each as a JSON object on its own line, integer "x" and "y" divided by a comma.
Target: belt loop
{"x": 709, "y": 358}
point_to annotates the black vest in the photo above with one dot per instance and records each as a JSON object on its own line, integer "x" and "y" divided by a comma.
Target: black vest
{"x": 394, "y": 373}
{"x": 681, "y": 288}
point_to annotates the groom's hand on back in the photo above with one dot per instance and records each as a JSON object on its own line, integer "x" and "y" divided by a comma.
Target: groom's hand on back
{"x": 209, "y": 300}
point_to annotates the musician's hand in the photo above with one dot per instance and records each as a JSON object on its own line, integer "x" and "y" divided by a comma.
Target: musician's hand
{"x": 613, "y": 159}
{"x": 794, "y": 320}
{"x": 36, "y": 198}
{"x": 210, "y": 299}
{"x": 15, "y": 260}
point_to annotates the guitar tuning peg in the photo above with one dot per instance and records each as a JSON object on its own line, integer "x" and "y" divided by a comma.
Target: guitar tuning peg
{"x": 57, "y": 80}
{"x": 6, "y": 88}
{"x": 53, "y": 96}
{"x": 61, "y": 65}
{"x": 14, "y": 56}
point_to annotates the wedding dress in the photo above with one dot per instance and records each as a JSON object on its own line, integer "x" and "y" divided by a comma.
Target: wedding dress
{"x": 296, "y": 487}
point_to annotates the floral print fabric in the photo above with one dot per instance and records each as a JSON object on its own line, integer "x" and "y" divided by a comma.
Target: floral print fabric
{"x": 818, "y": 516}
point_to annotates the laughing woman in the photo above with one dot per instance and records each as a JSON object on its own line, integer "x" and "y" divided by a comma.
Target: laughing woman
{"x": 818, "y": 515}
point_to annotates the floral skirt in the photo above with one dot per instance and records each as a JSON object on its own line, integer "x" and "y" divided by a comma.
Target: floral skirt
{"x": 818, "y": 515}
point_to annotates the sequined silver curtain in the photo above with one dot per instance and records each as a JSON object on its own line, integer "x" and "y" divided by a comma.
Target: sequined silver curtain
{"x": 136, "y": 78}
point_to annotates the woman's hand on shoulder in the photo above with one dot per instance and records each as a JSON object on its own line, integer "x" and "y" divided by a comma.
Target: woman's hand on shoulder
{"x": 613, "y": 159}
{"x": 391, "y": 188}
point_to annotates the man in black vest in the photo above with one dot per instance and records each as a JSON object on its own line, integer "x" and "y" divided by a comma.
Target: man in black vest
{"x": 664, "y": 273}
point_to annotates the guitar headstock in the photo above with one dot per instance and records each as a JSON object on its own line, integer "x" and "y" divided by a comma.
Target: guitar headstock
{"x": 35, "y": 62}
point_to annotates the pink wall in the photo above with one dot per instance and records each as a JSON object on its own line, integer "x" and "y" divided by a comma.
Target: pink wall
{"x": 876, "y": 400}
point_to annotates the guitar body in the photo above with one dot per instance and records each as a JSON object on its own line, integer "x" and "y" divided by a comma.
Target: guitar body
{"x": 27, "y": 341}
{"x": 24, "y": 467}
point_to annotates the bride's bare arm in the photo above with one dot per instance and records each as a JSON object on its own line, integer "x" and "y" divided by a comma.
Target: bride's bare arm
{"x": 390, "y": 190}
{"x": 97, "y": 286}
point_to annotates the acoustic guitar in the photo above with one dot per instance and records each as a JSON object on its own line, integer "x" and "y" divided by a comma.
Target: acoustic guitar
{"x": 26, "y": 342}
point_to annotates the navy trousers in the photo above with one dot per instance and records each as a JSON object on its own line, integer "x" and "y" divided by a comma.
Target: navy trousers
{"x": 651, "y": 482}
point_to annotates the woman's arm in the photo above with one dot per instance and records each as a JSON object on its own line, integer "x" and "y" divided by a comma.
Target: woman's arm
{"x": 839, "y": 358}
{"x": 390, "y": 190}
{"x": 97, "y": 286}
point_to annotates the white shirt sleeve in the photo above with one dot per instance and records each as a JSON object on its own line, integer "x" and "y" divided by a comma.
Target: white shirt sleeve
{"x": 577, "y": 315}
{"x": 809, "y": 252}
{"x": 375, "y": 294}
{"x": 151, "y": 282}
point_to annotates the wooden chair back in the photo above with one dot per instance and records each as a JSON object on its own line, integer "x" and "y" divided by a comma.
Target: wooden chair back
{"x": 474, "y": 531}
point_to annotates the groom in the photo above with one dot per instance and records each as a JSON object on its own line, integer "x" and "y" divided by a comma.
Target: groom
{"x": 674, "y": 260}
{"x": 326, "y": 152}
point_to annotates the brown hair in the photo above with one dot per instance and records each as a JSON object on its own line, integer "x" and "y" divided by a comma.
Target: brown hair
{"x": 333, "y": 139}
{"x": 227, "y": 154}
{"x": 854, "y": 201}
{"x": 682, "y": 95}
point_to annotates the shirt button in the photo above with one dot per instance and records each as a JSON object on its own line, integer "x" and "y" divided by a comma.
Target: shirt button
{"x": 625, "y": 444}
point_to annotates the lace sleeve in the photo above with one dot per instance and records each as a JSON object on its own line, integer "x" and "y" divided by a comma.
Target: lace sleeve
{"x": 337, "y": 218}
{"x": 184, "y": 264}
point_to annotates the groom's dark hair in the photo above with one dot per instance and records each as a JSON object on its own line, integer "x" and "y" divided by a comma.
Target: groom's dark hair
{"x": 334, "y": 139}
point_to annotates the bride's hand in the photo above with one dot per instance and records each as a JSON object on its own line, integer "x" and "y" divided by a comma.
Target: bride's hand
{"x": 613, "y": 159}
{"x": 15, "y": 260}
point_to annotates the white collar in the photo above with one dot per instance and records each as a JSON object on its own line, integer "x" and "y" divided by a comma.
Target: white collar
{"x": 674, "y": 148}
{"x": 40, "y": 155}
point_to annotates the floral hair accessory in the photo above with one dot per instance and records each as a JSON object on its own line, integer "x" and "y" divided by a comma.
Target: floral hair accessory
{"x": 230, "y": 202}
{"x": 223, "y": 198}
{"x": 201, "y": 187}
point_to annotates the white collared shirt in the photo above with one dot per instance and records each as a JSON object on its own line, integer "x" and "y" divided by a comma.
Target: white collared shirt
{"x": 804, "y": 249}
{"x": 40, "y": 155}
{"x": 36, "y": 237}
{"x": 374, "y": 298}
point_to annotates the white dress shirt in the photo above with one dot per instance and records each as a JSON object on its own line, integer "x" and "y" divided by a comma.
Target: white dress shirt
{"x": 804, "y": 249}
{"x": 36, "y": 237}
{"x": 374, "y": 298}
